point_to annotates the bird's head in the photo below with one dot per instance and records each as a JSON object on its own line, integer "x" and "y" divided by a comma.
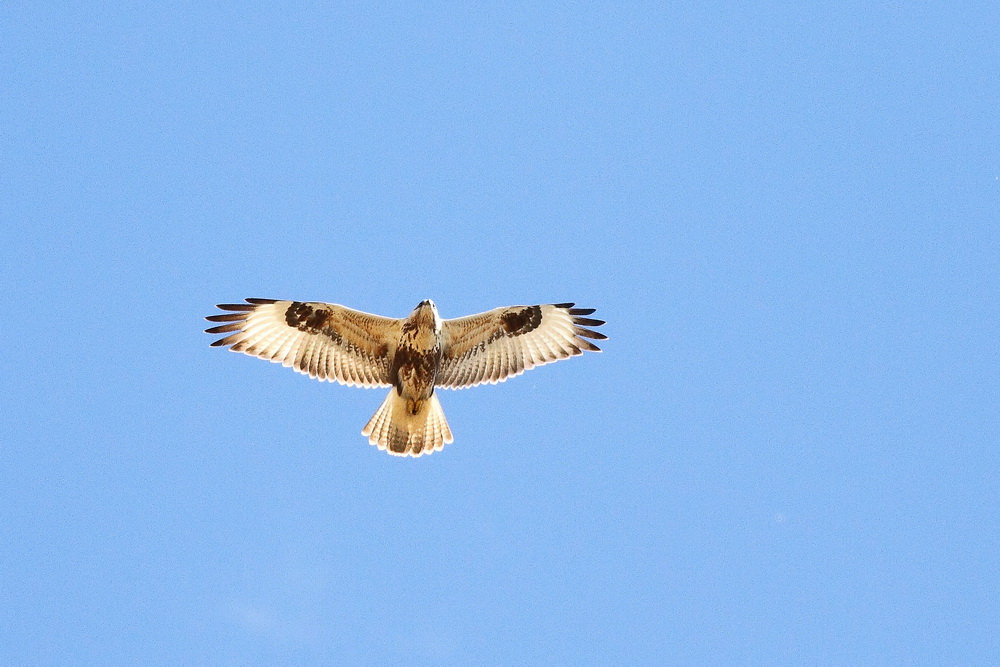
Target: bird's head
{"x": 427, "y": 312}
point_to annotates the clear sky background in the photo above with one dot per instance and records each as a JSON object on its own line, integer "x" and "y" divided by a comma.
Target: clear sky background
{"x": 787, "y": 213}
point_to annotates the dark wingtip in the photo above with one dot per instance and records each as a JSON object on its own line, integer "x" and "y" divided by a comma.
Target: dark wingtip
{"x": 227, "y": 317}
{"x": 590, "y": 334}
{"x": 249, "y": 305}
{"x": 225, "y": 328}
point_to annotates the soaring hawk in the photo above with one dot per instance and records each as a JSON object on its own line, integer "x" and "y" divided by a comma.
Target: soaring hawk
{"x": 413, "y": 355}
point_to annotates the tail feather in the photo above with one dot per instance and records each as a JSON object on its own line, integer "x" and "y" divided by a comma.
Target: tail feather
{"x": 393, "y": 429}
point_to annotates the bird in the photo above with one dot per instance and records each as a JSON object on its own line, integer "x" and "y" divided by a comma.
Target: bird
{"x": 413, "y": 355}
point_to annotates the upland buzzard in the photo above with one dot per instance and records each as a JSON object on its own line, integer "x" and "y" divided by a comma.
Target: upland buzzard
{"x": 414, "y": 355}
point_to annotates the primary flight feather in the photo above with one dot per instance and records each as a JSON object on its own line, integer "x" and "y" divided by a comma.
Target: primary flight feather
{"x": 413, "y": 355}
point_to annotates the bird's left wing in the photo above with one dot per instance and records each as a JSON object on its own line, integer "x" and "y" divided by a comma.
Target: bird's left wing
{"x": 323, "y": 340}
{"x": 504, "y": 342}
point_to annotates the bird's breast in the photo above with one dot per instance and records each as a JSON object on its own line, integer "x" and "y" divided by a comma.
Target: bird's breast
{"x": 414, "y": 370}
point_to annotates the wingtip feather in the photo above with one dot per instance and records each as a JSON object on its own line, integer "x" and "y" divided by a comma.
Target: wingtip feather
{"x": 225, "y": 328}
{"x": 227, "y": 317}
{"x": 597, "y": 335}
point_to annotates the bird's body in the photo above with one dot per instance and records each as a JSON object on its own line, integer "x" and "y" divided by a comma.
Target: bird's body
{"x": 410, "y": 418}
{"x": 418, "y": 354}
{"x": 413, "y": 355}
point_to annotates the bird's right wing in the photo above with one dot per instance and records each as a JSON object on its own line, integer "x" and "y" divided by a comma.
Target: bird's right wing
{"x": 323, "y": 340}
{"x": 504, "y": 342}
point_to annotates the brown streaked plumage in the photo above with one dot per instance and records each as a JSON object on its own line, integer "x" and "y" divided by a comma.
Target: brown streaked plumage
{"x": 413, "y": 355}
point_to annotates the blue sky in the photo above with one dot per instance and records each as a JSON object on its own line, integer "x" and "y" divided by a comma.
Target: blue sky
{"x": 787, "y": 213}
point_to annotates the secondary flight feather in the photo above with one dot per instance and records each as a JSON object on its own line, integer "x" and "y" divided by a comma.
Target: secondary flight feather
{"x": 413, "y": 355}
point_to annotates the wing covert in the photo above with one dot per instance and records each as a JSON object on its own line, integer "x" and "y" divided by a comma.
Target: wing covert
{"x": 505, "y": 342}
{"x": 325, "y": 341}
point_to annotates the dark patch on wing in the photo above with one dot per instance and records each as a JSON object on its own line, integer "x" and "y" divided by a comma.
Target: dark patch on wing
{"x": 517, "y": 323}
{"x": 304, "y": 317}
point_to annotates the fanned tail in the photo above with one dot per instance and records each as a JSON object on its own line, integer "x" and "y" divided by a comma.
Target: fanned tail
{"x": 393, "y": 429}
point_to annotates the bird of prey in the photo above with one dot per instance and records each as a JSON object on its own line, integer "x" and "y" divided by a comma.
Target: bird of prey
{"x": 413, "y": 355}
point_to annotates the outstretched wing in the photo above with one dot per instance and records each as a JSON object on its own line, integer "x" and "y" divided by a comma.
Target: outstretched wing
{"x": 501, "y": 343}
{"x": 323, "y": 340}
